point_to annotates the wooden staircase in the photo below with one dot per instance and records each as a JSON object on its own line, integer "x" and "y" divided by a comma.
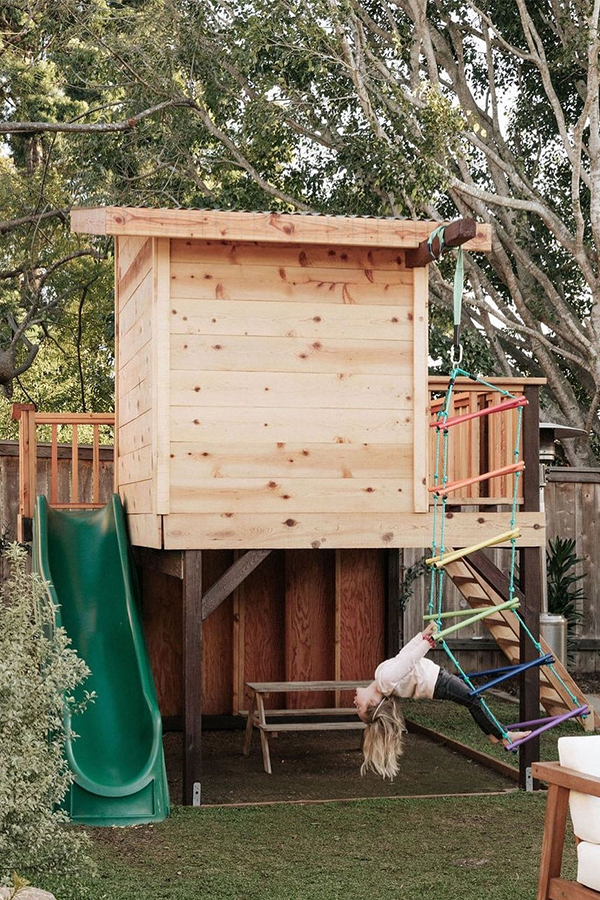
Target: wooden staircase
{"x": 482, "y": 584}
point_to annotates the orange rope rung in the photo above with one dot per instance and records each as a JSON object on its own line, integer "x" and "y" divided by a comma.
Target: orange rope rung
{"x": 455, "y": 485}
{"x": 501, "y": 407}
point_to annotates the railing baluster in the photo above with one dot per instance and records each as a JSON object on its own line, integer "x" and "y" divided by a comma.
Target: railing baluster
{"x": 75, "y": 465}
{"x": 54, "y": 466}
{"x": 96, "y": 465}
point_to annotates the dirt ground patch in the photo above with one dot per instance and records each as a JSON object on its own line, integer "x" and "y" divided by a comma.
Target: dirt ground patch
{"x": 322, "y": 766}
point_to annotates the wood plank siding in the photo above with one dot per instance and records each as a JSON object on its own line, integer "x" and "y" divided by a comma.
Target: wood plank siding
{"x": 292, "y": 385}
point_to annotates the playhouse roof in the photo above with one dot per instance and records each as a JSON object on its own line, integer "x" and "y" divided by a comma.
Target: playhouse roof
{"x": 211, "y": 224}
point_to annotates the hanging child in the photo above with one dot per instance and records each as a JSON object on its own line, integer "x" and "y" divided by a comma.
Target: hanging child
{"x": 410, "y": 676}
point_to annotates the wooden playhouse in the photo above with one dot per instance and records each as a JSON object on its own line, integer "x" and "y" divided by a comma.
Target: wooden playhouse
{"x": 272, "y": 445}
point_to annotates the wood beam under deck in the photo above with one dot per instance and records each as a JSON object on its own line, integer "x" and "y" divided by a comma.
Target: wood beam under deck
{"x": 457, "y": 233}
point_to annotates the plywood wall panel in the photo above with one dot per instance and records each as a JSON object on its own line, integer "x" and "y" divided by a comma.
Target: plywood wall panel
{"x": 217, "y": 641}
{"x": 360, "y": 586}
{"x": 163, "y": 628}
{"x": 261, "y": 602}
{"x": 309, "y": 623}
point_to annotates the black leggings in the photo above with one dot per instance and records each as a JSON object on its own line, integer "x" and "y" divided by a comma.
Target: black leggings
{"x": 450, "y": 687}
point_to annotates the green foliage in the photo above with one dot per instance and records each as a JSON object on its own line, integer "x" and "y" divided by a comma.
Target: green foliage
{"x": 39, "y": 673}
{"x": 286, "y": 105}
{"x": 407, "y": 585}
{"x": 565, "y": 594}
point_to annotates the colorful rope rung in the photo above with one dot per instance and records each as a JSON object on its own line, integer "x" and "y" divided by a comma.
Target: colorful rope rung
{"x": 440, "y": 561}
{"x": 486, "y": 476}
{"x": 507, "y": 672}
{"x": 545, "y": 724}
{"x": 489, "y": 410}
{"x": 482, "y": 614}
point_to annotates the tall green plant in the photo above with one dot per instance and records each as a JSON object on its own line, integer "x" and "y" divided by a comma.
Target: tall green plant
{"x": 565, "y": 593}
{"x": 39, "y": 675}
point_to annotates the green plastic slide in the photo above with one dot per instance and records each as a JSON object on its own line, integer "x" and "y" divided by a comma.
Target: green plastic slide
{"x": 118, "y": 760}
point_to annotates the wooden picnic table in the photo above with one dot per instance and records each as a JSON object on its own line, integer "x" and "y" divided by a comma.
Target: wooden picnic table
{"x": 330, "y": 718}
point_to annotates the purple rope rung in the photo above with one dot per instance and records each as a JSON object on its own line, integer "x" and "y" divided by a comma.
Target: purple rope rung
{"x": 548, "y": 724}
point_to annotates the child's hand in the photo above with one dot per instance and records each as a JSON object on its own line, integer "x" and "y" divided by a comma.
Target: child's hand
{"x": 429, "y": 632}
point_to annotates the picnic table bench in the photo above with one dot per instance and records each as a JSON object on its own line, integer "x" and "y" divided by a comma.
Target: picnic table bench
{"x": 330, "y": 719}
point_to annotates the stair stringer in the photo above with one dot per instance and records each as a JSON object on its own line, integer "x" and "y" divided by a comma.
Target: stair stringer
{"x": 504, "y": 628}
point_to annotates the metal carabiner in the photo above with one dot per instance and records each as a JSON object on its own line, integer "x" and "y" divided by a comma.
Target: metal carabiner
{"x": 456, "y": 362}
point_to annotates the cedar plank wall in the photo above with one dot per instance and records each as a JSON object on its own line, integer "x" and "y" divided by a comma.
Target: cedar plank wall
{"x": 135, "y": 387}
{"x": 360, "y": 589}
{"x": 259, "y": 628}
{"x": 291, "y": 393}
{"x": 310, "y": 623}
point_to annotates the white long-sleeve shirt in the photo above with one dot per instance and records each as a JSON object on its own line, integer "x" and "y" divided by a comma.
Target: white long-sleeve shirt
{"x": 409, "y": 674}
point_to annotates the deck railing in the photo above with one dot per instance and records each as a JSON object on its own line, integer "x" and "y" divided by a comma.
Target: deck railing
{"x": 479, "y": 445}
{"x": 30, "y": 420}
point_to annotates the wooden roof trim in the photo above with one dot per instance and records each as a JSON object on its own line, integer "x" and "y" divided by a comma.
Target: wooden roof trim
{"x": 206, "y": 224}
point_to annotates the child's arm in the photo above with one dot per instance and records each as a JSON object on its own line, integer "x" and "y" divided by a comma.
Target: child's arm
{"x": 391, "y": 671}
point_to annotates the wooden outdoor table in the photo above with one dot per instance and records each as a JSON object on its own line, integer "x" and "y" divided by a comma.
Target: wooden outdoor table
{"x": 257, "y": 715}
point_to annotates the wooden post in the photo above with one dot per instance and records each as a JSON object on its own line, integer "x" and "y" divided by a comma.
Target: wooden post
{"x": 192, "y": 677}
{"x": 25, "y": 414}
{"x": 531, "y": 586}
{"x": 392, "y": 602}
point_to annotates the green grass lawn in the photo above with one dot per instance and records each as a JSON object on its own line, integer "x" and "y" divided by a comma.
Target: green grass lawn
{"x": 467, "y": 848}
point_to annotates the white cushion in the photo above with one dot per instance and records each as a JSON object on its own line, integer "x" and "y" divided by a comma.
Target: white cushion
{"x": 583, "y": 755}
{"x": 588, "y": 865}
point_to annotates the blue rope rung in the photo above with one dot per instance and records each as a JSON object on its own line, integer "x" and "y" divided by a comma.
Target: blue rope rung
{"x": 508, "y": 672}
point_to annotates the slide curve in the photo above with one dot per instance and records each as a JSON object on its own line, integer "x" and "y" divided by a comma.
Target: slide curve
{"x": 117, "y": 759}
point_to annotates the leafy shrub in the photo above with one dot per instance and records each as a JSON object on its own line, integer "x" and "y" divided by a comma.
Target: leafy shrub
{"x": 565, "y": 593}
{"x": 39, "y": 673}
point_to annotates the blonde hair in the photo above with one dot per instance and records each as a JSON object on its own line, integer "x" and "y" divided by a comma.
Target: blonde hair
{"x": 383, "y": 740}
